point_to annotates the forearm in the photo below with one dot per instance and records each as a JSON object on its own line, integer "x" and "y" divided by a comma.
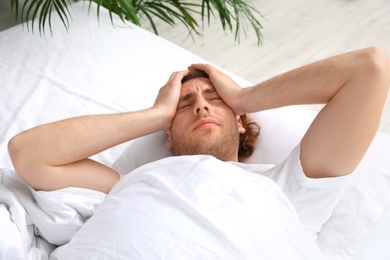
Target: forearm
{"x": 316, "y": 83}
{"x": 311, "y": 84}
{"x": 77, "y": 138}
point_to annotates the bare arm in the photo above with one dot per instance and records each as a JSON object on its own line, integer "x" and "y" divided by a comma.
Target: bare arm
{"x": 55, "y": 155}
{"x": 354, "y": 88}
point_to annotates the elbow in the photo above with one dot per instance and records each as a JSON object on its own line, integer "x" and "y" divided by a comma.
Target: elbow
{"x": 377, "y": 65}
{"x": 372, "y": 74}
{"x": 18, "y": 155}
{"x": 14, "y": 146}
{"x": 377, "y": 56}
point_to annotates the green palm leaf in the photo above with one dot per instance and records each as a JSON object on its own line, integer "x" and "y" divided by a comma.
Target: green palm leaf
{"x": 234, "y": 15}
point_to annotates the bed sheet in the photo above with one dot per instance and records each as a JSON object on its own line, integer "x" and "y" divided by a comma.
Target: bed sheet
{"x": 98, "y": 67}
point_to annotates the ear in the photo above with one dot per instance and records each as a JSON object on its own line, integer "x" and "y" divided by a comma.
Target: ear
{"x": 241, "y": 129}
{"x": 168, "y": 139}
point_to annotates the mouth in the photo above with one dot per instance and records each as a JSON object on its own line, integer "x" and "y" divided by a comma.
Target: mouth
{"x": 203, "y": 123}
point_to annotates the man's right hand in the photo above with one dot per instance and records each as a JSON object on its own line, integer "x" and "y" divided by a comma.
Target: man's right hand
{"x": 168, "y": 98}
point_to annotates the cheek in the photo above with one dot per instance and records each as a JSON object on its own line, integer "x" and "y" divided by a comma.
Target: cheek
{"x": 224, "y": 109}
{"x": 178, "y": 122}
{"x": 227, "y": 113}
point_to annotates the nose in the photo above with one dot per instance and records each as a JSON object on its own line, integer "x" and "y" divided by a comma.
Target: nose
{"x": 199, "y": 110}
{"x": 201, "y": 105}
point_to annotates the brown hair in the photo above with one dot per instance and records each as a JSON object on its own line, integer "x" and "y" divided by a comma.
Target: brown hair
{"x": 195, "y": 74}
{"x": 248, "y": 139}
{"x": 252, "y": 128}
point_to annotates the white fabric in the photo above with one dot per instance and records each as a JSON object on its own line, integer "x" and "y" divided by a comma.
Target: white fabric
{"x": 215, "y": 209}
{"x": 33, "y": 222}
{"x": 16, "y": 230}
{"x": 100, "y": 68}
{"x": 313, "y": 199}
{"x": 362, "y": 212}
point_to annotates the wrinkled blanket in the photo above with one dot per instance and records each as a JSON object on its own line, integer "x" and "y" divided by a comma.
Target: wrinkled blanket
{"x": 33, "y": 223}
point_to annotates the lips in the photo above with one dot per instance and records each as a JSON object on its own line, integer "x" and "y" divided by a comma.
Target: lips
{"x": 205, "y": 123}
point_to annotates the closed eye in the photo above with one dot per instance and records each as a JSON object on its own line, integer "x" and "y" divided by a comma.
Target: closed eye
{"x": 184, "y": 105}
{"x": 217, "y": 98}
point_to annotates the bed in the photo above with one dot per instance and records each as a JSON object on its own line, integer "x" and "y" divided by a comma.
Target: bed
{"x": 100, "y": 67}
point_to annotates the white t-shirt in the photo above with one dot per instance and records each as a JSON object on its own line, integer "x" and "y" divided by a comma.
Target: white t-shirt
{"x": 313, "y": 199}
{"x": 197, "y": 207}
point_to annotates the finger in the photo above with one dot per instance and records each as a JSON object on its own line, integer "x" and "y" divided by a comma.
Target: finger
{"x": 199, "y": 66}
{"x": 208, "y": 68}
{"x": 176, "y": 77}
{"x": 178, "y": 74}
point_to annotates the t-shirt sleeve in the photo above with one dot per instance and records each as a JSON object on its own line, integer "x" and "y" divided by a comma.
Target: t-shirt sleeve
{"x": 313, "y": 199}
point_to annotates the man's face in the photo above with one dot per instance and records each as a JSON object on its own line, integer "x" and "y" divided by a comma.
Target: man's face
{"x": 204, "y": 124}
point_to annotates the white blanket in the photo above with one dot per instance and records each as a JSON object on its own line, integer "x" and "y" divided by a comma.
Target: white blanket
{"x": 193, "y": 207}
{"x": 34, "y": 223}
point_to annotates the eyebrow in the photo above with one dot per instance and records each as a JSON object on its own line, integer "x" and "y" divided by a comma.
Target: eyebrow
{"x": 191, "y": 94}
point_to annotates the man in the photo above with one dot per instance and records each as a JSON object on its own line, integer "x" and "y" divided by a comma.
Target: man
{"x": 203, "y": 117}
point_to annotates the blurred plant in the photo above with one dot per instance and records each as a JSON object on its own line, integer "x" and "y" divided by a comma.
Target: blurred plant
{"x": 234, "y": 15}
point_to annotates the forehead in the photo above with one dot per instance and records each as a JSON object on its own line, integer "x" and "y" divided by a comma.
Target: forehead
{"x": 196, "y": 84}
